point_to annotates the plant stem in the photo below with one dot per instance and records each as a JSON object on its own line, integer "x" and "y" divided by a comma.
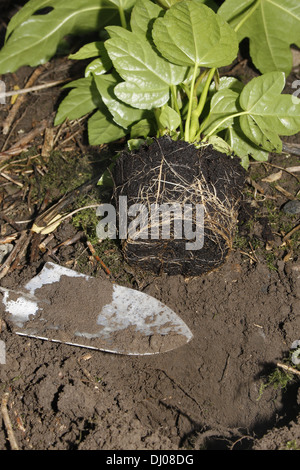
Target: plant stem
{"x": 157, "y": 112}
{"x": 188, "y": 119}
{"x": 204, "y": 93}
{"x": 200, "y": 78}
{"x": 222, "y": 122}
{"x": 201, "y": 128}
{"x": 247, "y": 16}
{"x": 122, "y": 17}
{"x": 176, "y": 107}
{"x": 197, "y": 112}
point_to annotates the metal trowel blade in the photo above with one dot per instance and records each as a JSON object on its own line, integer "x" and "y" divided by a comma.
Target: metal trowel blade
{"x": 62, "y": 305}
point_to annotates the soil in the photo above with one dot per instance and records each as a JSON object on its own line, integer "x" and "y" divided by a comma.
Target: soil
{"x": 216, "y": 392}
{"x": 158, "y": 175}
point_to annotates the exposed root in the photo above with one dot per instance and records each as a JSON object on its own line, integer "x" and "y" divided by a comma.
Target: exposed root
{"x": 167, "y": 183}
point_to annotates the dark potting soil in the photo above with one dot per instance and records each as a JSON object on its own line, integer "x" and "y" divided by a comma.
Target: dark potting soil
{"x": 168, "y": 172}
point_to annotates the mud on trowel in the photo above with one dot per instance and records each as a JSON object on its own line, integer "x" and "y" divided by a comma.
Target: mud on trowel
{"x": 62, "y": 305}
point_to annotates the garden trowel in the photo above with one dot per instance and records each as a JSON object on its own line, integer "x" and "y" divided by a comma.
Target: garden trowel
{"x": 62, "y": 305}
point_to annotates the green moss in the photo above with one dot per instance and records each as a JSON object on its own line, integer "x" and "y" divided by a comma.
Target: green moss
{"x": 278, "y": 379}
{"x": 292, "y": 445}
{"x": 240, "y": 242}
{"x": 86, "y": 220}
{"x": 63, "y": 176}
{"x": 271, "y": 260}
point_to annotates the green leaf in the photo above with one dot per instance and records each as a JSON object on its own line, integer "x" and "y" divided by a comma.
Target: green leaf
{"x": 102, "y": 130}
{"x": 123, "y": 114}
{"x": 190, "y": 33}
{"x": 169, "y": 119}
{"x": 92, "y": 49}
{"x": 106, "y": 179}
{"x": 140, "y": 129}
{"x": 271, "y": 26}
{"x": 136, "y": 61}
{"x": 97, "y": 67}
{"x": 243, "y": 147}
{"x": 32, "y": 38}
{"x": 123, "y": 4}
{"x": 143, "y": 13}
{"x": 144, "y": 96}
{"x": 24, "y": 13}
{"x": 101, "y": 64}
{"x": 267, "y": 112}
{"x": 219, "y": 144}
{"x": 79, "y": 83}
{"x": 147, "y": 76}
{"x": 227, "y": 83}
{"x": 169, "y": 3}
{"x": 81, "y": 100}
{"x": 264, "y": 114}
{"x": 224, "y": 103}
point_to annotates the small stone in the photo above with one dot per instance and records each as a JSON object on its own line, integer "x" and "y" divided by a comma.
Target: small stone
{"x": 2, "y": 352}
{"x": 292, "y": 207}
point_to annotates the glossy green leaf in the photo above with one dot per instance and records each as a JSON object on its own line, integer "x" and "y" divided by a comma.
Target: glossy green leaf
{"x": 169, "y": 119}
{"x": 97, "y": 67}
{"x": 123, "y": 114}
{"x": 30, "y": 8}
{"x": 243, "y": 147}
{"x": 169, "y": 3}
{"x": 147, "y": 76}
{"x": 101, "y": 64}
{"x": 88, "y": 51}
{"x": 143, "y": 13}
{"x": 271, "y": 25}
{"x": 102, "y": 130}
{"x": 268, "y": 113}
{"x": 146, "y": 96}
{"x": 219, "y": 144}
{"x": 190, "y": 33}
{"x": 230, "y": 83}
{"x": 123, "y": 4}
{"x": 140, "y": 129}
{"x": 224, "y": 103}
{"x": 260, "y": 111}
{"x": 136, "y": 61}
{"x": 79, "y": 83}
{"x": 33, "y": 36}
{"x": 81, "y": 100}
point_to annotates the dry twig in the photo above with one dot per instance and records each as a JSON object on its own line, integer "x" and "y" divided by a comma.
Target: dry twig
{"x": 22, "y": 144}
{"x": 288, "y": 368}
{"x": 29, "y": 89}
{"x": 15, "y": 254}
{"x": 68, "y": 242}
{"x": 291, "y": 232}
{"x": 7, "y": 422}
{"x": 15, "y": 108}
{"x": 291, "y": 148}
{"x": 97, "y": 258}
